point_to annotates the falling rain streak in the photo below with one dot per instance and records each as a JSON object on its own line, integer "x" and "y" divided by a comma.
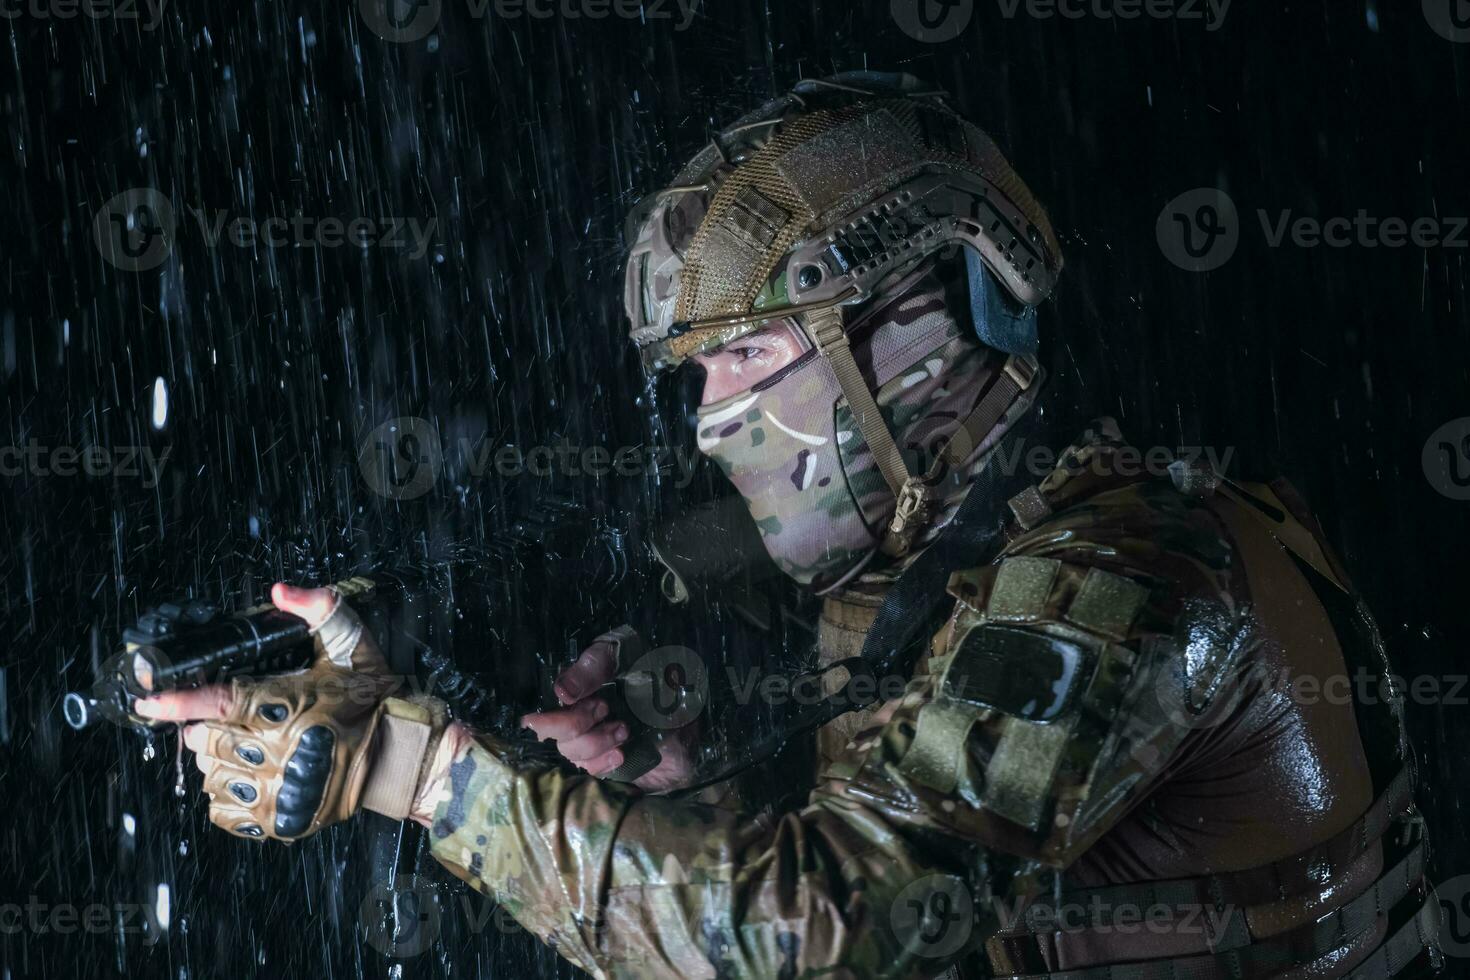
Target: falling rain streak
{"x": 336, "y": 223}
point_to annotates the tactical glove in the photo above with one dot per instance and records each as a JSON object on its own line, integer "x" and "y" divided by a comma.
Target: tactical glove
{"x": 295, "y": 753}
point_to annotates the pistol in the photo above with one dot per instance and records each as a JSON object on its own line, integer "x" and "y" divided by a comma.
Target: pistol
{"x": 184, "y": 646}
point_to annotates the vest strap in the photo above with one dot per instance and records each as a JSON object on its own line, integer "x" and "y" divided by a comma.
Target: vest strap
{"x": 1297, "y": 875}
{"x": 1336, "y": 930}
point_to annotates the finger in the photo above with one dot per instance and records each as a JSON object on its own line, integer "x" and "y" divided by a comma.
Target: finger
{"x": 230, "y": 786}
{"x": 225, "y": 812}
{"x": 312, "y": 605}
{"x": 203, "y": 703}
{"x": 597, "y": 742}
{"x": 605, "y": 763}
{"x": 341, "y": 638}
{"x": 597, "y": 665}
{"x": 196, "y": 738}
{"x": 567, "y": 723}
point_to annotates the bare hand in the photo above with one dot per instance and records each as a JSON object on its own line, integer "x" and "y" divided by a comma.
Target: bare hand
{"x": 585, "y": 735}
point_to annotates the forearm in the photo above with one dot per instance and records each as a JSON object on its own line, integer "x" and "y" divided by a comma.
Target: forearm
{"x": 628, "y": 884}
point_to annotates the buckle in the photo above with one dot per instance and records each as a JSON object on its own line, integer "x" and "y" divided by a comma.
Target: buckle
{"x": 913, "y": 500}
{"x": 1021, "y": 370}
{"x": 911, "y": 512}
{"x": 825, "y": 327}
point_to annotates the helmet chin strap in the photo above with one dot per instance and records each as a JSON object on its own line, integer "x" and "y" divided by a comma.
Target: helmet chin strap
{"x": 913, "y": 494}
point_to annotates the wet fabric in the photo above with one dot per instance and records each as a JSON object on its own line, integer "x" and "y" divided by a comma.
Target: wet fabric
{"x": 1178, "y": 753}
{"x": 795, "y": 453}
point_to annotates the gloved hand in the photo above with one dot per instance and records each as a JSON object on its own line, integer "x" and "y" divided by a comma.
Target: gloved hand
{"x": 285, "y": 756}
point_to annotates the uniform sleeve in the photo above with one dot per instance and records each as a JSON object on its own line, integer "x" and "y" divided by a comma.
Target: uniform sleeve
{"x": 627, "y": 885}
{"x": 1035, "y": 731}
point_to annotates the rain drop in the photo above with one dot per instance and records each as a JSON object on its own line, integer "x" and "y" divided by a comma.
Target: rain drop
{"x": 163, "y": 906}
{"x": 160, "y": 403}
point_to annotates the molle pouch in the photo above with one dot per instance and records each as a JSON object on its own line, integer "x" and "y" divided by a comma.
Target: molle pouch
{"x": 1036, "y": 678}
{"x": 1031, "y": 676}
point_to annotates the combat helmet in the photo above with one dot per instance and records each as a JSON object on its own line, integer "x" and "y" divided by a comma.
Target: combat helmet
{"x": 814, "y": 205}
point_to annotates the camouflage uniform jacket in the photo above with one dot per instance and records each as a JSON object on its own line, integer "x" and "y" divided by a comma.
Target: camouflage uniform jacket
{"x": 1103, "y": 707}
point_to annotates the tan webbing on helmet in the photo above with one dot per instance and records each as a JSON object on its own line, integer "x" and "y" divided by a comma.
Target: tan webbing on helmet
{"x": 753, "y": 219}
{"x": 816, "y": 167}
{"x": 1015, "y": 377}
{"x": 826, "y": 331}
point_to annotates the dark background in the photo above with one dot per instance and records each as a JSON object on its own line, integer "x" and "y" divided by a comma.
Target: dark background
{"x": 528, "y": 139}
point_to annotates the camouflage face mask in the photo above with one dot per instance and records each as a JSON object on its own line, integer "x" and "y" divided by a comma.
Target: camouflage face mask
{"x": 791, "y": 448}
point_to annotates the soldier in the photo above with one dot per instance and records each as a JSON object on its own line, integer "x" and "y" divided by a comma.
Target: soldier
{"x": 1108, "y": 760}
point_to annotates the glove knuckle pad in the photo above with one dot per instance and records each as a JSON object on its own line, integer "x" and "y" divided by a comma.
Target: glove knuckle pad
{"x": 304, "y": 781}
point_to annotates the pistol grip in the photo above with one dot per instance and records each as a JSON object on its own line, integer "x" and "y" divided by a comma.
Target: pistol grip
{"x": 640, "y": 752}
